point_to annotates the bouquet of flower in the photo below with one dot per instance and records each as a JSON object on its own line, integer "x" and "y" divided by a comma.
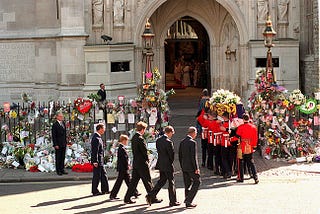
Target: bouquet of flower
{"x": 296, "y": 98}
{"x": 223, "y": 101}
{"x": 83, "y": 105}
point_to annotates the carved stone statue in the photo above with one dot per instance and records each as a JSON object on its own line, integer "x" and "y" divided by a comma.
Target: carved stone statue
{"x": 118, "y": 12}
{"x": 283, "y": 10}
{"x": 262, "y": 10}
{"x": 97, "y": 13}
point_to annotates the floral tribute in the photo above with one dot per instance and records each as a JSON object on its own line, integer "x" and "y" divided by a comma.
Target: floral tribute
{"x": 286, "y": 126}
{"x": 223, "y": 101}
{"x": 83, "y": 105}
{"x": 153, "y": 100}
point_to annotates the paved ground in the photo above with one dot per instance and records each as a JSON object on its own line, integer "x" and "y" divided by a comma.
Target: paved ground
{"x": 283, "y": 188}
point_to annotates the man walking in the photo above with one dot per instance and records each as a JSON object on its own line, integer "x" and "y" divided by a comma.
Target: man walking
{"x": 59, "y": 139}
{"x": 165, "y": 150}
{"x": 97, "y": 159}
{"x": 189, "y": 163}
{"x": 122, "y": 167}
{"x": 248, "y": 134}
{"x": 140, "y": 164}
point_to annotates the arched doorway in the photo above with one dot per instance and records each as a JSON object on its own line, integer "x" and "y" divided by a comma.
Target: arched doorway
{"x": 187, "y": 55}
{"x": 225, "y": 27}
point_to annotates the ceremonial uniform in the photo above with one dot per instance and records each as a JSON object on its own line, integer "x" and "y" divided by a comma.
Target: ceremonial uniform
{"x": 210, "y": 127}
{"x": 248, "y": 134}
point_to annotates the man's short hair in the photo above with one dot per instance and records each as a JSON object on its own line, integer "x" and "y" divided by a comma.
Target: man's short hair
{"x": 101, "y": 84}
{"x": 123, "y": 137}
{"x": 192, "y": 129}
{"x": 99, "y": 126}
{"x": 168, "y": 129}
{"x": 245, "y": 117}
{"x": 141, "y": 125}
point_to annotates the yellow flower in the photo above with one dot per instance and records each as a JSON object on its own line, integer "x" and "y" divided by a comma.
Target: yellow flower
{"x": 13, "y": 114}
{"x": 285, "y": 103}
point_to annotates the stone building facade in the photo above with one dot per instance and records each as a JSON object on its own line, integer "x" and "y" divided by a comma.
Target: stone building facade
{"x": 52, "y": 49}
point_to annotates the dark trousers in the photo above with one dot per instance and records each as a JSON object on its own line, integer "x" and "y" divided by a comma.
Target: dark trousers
{"x": 204, "y": 148}
{"x": 217, "y": 159}
{"x": 123, "y": 175}
{"x": 60, "y": 156}
{"x": 137, "y": 174}
{"x": 210, "y": 156}
{"x": 247, "y": 159}
{"x": 191, "y": 185}
{"x": 226, "y": 160}
{"x": 164, "y": 177}
{"x": 233, "y": 157}
{"x": 99, "y": 174}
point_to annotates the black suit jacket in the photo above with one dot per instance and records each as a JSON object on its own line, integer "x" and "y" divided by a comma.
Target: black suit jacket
{"x": 188, "y": 155}
{"x": 165, "y": 150}
{"x": 123, "y": 159}
{"x": 59, "y": 135}
{"x": 140, "y": 152}
{"x": 102, "y": 94}
{"x": 97, "y": 150}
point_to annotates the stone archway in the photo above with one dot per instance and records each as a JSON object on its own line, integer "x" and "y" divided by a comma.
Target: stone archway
{"x": 164, "y": 13}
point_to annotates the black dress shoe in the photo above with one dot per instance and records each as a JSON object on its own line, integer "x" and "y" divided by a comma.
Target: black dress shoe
{"x": 64, "y": 172}
{"x": 174, "y": 204}
{"x": 59, "y": 173}
{"x": 105, "y": 192}
{"x": 239, "y": 180}
{"x": 137, "y": 195}
{"x": 191, "y": 205}
{"x": 129, "y": 201}
{"x": 114, "y": 198}
{"x": 96, "y": 193}
{"x": 256, "y": 181}
{"x": 155, "y": 200}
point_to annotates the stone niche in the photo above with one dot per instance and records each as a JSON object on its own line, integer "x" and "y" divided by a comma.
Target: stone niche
{"x": 113, "y": 65}
{"x": 285, "y": 55}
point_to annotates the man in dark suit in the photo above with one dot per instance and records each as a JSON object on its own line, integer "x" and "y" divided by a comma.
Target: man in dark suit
{"x": 102, "y": 93}
{"x": 59, "y": 139}
{"x": 140, "y": 164}
{"x": 165, "y": 160}
{"x": 189, "y": 164}
{"x": 122, "y": 167}
{"x": 97, "y": 159}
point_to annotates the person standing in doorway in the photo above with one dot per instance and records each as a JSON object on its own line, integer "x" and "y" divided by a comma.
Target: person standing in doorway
{"x": 189, "y": 164}
{"x": 165, "y": 150}
{"x": 97, "y": 159}
{"x": 59, "y": 139}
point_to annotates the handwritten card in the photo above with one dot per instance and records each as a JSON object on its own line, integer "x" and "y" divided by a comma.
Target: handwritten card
{"x": 110, "y": 119}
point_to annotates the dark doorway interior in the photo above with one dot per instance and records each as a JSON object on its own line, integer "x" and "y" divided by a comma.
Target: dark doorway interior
{"x": 187, "y": 54}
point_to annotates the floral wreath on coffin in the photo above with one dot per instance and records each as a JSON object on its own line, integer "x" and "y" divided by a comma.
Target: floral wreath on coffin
{"x": 223, "y": 101}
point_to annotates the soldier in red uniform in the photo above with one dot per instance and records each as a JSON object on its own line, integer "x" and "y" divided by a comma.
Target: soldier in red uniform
{"x": 210, "y": 126}
{"x": 248, "y": 134}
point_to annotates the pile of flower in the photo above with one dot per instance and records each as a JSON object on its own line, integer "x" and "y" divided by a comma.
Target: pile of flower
{"x": 284, "y": 119}
{"x": 223, "y": 101}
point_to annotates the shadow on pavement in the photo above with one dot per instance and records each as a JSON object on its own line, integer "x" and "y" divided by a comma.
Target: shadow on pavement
{"x": 48, "y": 203}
